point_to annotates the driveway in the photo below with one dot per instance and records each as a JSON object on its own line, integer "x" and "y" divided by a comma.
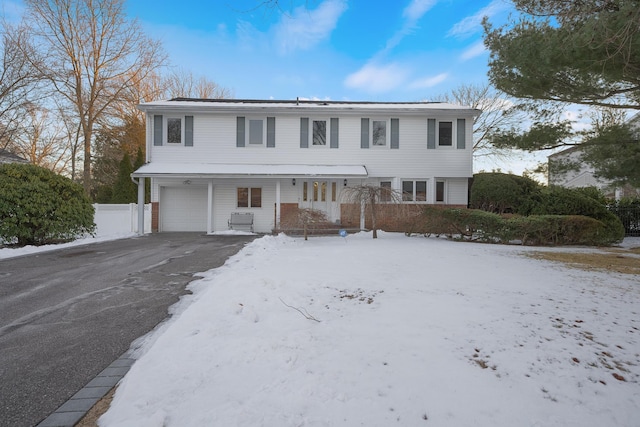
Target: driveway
{"x": 67, "y": 314}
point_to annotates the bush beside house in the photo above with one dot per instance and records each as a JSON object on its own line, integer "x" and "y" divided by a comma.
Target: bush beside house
{"x": 512, "y": 209}
{"x": 39, "y": 207}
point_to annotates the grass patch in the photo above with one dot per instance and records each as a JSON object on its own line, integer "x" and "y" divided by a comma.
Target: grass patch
{"x": 625, "y": 261}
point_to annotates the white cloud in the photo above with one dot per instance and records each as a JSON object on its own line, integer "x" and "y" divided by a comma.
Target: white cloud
{"x": 377, "y": 78}
{"x": 417, "y": 8}
{"x": 471, "y": 24}
{"x": 412, "y": 13}
{"x": 306, "y": 27}
{"x": 428, "y": 82}
{"x": 474, "y": 50}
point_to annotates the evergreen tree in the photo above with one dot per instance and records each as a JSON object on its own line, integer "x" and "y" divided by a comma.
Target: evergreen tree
{"x": 124, "y": 190}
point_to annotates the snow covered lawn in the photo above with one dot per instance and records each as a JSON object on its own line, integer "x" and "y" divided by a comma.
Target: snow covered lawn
{"x": 394, "y": 331}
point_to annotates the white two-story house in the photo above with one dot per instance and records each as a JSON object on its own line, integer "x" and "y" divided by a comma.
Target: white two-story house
{"x": 208, "y": 159}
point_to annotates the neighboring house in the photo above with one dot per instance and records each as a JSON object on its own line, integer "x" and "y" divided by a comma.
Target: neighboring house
{"x": 8, "y": 157}
{"x": 208, "y": 159}
{"x": 585, "y": 175}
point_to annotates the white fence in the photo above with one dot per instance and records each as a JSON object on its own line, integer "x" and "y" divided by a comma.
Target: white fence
{"x": 119, "y": 219}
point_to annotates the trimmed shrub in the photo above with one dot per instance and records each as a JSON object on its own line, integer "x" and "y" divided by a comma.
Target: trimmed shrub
{"x": 39, "y": 207}
{"x": 503, "y": 193}
{"x": 477, "y": 225}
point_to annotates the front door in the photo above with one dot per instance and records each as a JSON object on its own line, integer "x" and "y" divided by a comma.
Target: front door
{"x": 320, "y": 195}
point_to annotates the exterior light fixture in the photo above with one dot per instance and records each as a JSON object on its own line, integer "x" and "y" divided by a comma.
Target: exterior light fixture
{"x": 293, "y": 181}
{"x": 345, "y": 182}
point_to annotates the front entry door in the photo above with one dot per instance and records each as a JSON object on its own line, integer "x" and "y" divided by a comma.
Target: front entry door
{"x": 320, "y": 195}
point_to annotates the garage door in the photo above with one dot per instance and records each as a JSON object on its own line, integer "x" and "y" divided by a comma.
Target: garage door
{"x": 183, "y": 208}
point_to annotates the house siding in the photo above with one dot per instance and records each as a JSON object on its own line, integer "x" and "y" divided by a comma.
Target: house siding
{"x": 405, "y": 156}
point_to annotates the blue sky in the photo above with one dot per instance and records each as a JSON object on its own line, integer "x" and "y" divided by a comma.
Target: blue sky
{"x": 358, "y": 50}
{"x": 400, "y": 50}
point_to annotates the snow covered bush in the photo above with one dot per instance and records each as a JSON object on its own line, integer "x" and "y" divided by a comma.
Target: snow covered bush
{"x": 39, "y": 207}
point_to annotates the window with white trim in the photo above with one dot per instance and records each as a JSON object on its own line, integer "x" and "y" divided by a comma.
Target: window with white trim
{"x": 440, "y": 191}
{"x": 378, "y": 133}
{"x": 414, "y": 191}
{"x": 319, "y": 133}
{"x": 445, "y": 134}
{"x": 385, "y": 191}
{"x": 257, "y": 132}
{"x": 174, "y": 130}
{"x": 249, "y": 197}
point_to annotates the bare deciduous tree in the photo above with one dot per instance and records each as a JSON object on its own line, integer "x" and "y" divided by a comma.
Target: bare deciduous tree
{"x": 18, "y": 79}
{"x": 184, "y": 84}
{"x": 93, "y": 53}
{"x": 42, "y": 140}
{"x": 370, "y": 195}
{"x": 498, "y": 112}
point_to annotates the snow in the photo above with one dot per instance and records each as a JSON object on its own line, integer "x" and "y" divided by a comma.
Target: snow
{"x": 27, "y": 250}
{"x": 192, "y": 169}
{"x": 394, "y": 331}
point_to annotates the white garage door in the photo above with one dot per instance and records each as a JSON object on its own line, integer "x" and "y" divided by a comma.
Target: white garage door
{"x": 183, "y": 208}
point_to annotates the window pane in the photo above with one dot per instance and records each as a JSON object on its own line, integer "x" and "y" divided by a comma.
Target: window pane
{"x": 440, "y": 191}
{"x": 243, "y": 197}
{"x": 334, "y": 191}
{"x": 319, "y": 132}
{"x": 421, "y": 191}
{"x": 174, "y": 131}
{"x": 315, "y": 191}
{"x": 323, "y": 194}
{"x": 305, "y": 191}
{"x": 256, "y": 197}
{"x": 255, "y": 131}
{"x": 379, "y": 132}
{"x": 385, "y": 193}
{"x": 445, "y": 133}
{"x": 407, "y": 191}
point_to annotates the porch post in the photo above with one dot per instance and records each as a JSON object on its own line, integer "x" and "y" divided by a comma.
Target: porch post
{"x": 141, "y": 181}
{"x": 209, "y": 206}
{"x": 362, "y": 206}
{"x": 277, "y": 224}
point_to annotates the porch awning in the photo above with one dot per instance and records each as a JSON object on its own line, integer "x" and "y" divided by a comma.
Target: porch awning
{"x": 218, "y": 170}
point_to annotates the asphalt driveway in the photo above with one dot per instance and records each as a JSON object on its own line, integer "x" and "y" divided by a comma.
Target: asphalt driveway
{"x": 67, "y": 314}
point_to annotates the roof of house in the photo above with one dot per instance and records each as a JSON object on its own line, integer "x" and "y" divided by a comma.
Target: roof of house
{"x": 9, "y": 157}
{"x": 195, "y": 104}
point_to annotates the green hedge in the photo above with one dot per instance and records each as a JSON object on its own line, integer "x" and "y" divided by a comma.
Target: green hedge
{"x": 477, "y": 225}
{"x": 39, "y": 207}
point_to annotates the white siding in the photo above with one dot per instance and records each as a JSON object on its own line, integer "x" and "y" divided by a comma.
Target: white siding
{"x": 215, "y": 142}
{"x": 457, "y": 191}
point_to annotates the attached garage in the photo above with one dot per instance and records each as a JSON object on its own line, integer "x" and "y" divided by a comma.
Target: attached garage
{"x": 183, "y": 208}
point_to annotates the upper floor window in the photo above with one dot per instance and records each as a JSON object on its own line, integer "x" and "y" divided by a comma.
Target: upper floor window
{"x": 380, "y": 133}
{"x": 255, "y": 131}
{"x": 445, "y": 134}
{"x": 319, "y": 132}
{"x": 172, "y": 130}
